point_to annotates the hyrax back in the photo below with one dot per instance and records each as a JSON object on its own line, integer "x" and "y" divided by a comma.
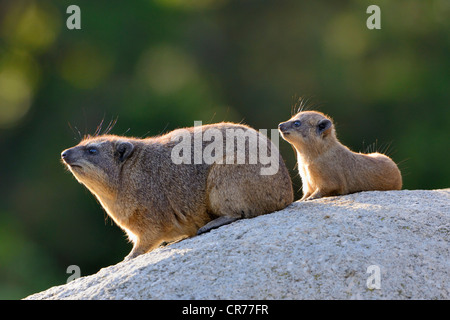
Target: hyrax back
{"x": 329, "y": 168}
{"x": 168, "y": 187}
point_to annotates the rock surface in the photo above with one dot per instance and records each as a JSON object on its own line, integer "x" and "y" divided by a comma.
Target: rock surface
{"x": 319, "y": 249}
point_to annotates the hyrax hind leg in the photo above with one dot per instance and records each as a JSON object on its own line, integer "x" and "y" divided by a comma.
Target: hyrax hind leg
{"x": 220, "y": 221}
{"x": 238, "y": 191}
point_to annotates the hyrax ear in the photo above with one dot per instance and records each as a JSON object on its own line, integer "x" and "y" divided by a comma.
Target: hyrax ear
{"x": 124, "y": 149}
{"x": 323, "y": 126}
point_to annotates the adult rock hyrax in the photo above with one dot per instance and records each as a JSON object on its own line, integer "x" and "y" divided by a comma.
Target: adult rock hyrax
{"x": 155, "y": 197}
{"x": 329, "y": 168}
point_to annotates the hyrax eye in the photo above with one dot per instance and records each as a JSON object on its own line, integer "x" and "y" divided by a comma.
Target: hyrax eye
{"x": 92, "y": 150}
{"x": 297, "y": 123}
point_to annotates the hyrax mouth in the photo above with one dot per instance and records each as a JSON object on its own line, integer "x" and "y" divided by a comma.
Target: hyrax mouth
{"x": 68, "y": 160}
{"x": 71, "y": 165}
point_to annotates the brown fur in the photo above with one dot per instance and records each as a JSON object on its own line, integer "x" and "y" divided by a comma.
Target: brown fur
{"x": 156, "y": 200}
{"x": 329, "y": 168}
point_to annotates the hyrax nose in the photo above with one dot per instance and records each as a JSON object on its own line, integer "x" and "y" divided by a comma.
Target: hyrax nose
{"x": 66, "y": 155}
{"x": 282, "y": 126}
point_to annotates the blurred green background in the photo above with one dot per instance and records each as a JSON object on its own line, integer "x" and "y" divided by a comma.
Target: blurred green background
{"x": 158, "y": 65}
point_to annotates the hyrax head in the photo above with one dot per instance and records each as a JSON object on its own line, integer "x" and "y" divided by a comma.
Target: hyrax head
{"x": 308, "y": 128}
{"x": 96, "y": 162}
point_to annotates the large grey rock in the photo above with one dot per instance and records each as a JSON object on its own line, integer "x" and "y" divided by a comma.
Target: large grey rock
{"x": 311, "y": 250}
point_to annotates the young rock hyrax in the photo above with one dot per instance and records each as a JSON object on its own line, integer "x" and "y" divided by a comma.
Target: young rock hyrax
{"x": 168, "y": 187}
{"x": 329, "y": 168}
